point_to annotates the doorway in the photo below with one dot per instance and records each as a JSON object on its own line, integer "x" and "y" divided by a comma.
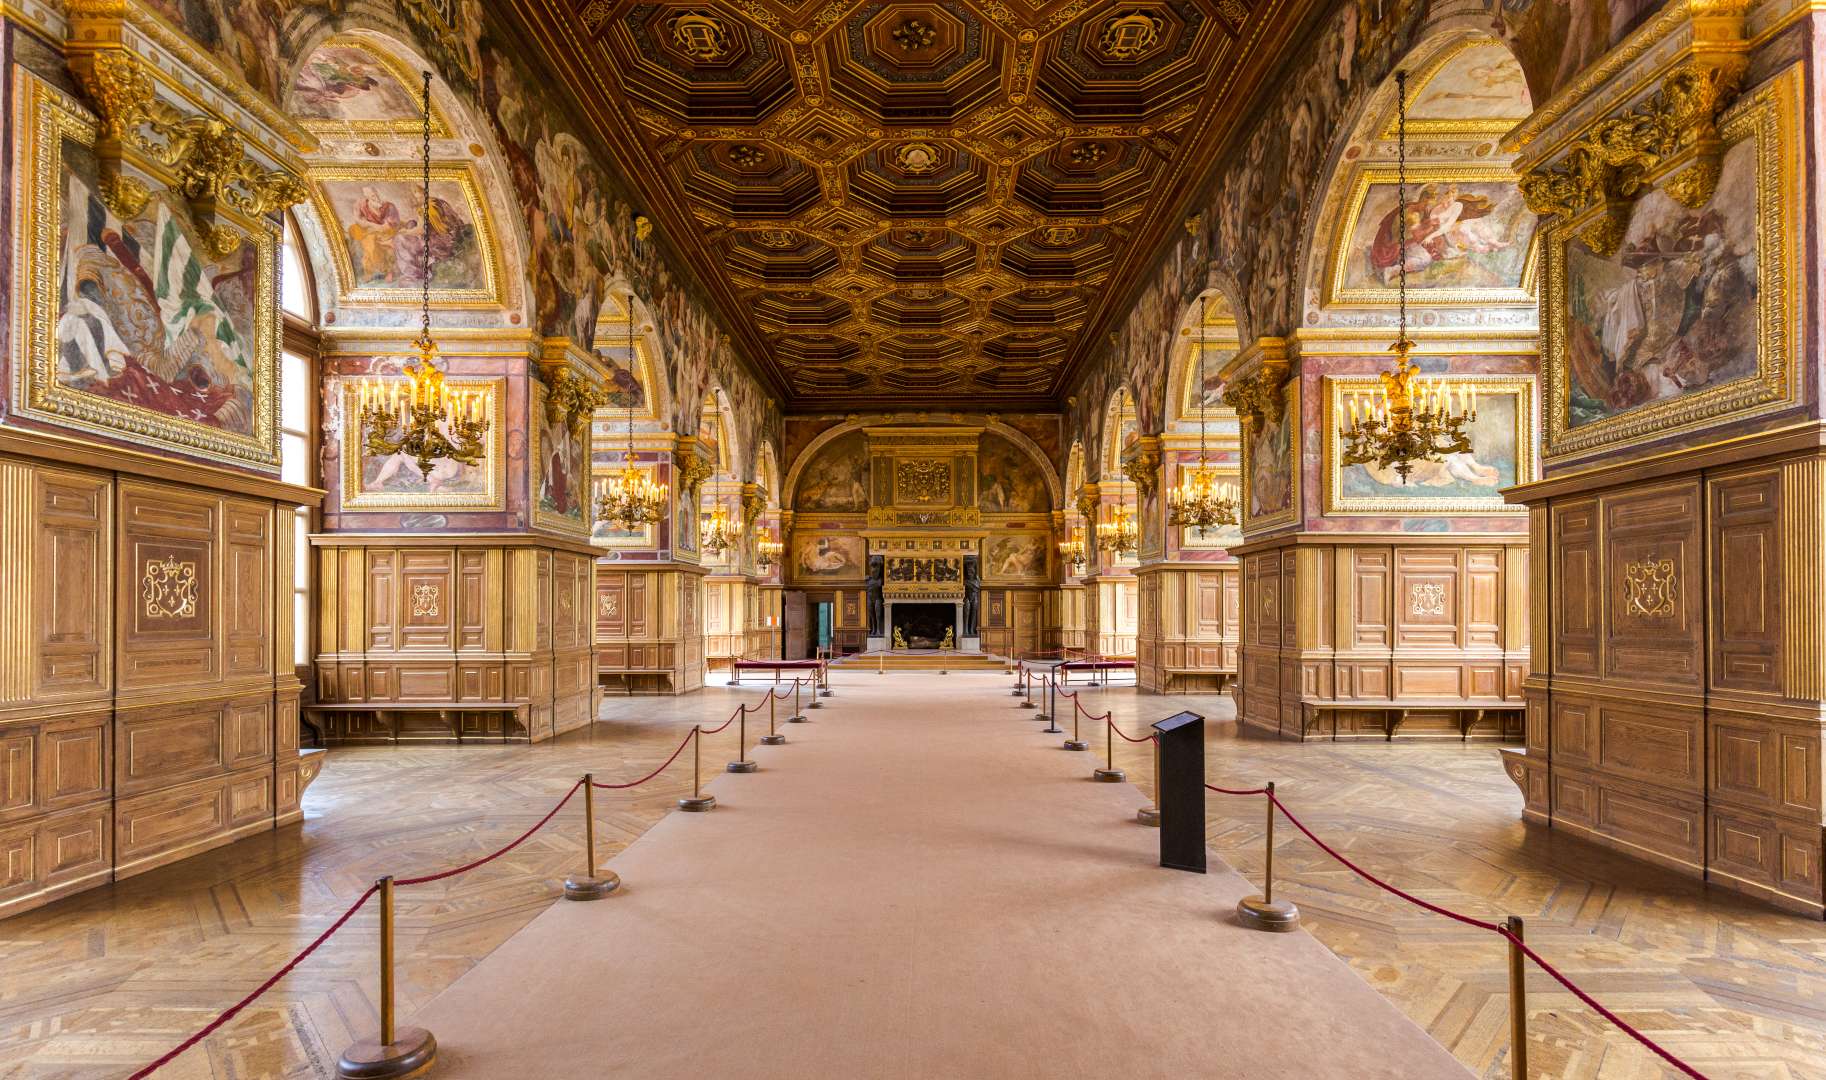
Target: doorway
{"x": 822, "y": 625}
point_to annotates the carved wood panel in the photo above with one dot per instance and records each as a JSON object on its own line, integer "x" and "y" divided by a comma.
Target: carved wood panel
{"x": 167, "y": 554}
{"x": 1577, "y": 587}
{"x": 1746, "y": 581}
{"x": 1653, "y": 598}
{"x": 72, "y": 586}
{"x": 1428, "y": 603}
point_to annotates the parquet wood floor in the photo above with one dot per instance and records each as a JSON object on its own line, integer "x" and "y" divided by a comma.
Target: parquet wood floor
{"x": 1736, "y": 988}
{"x": 98, "y": 984}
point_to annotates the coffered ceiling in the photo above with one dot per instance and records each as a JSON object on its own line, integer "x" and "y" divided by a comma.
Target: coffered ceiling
{"x": 915, "y": 201}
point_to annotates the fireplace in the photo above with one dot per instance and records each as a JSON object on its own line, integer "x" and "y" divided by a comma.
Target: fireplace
{"x": 923, "y": 626}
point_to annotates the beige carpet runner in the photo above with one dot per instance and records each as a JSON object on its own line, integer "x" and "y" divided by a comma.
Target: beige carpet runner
{"x": 919, "y": 885}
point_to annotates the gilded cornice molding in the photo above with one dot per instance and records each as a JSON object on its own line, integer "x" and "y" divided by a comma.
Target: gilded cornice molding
{"x": 1142, "y": 465}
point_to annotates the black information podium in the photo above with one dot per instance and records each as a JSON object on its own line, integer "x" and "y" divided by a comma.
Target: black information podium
{"x": 1181, "y": 794}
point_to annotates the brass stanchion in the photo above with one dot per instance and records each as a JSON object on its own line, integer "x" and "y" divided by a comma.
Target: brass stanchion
{"x": 408, "y": 1051}
{"x": 881, "y": 663}
{"x": 798, "y": 716}
{"x": 1027, "y": 690}
{"x": 741, "y": 762}
{"x": 824, "y": 680}
{"x": 1075, "y": 742}
{"x": 1150, "y": 815}
{"x": 697, "y": 802}
{"x": 590, "y": 886}
{"x": 1111, "y": 774}
{"x": 773, "y": 736}
{"x": 1051, "y": 715}
{"x": 1019, "y": 671}
{"x": 1518, "y": 1002}
{"x": 1264, "y": 912}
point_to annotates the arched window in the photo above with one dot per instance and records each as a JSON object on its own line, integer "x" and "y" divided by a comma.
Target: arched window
{"x": 299, "y": 418}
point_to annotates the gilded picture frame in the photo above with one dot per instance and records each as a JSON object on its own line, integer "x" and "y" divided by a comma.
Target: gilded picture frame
{"x": 488, "y": 294}
{"x": 535, "y": 438}
{"x": 46, "y": 118}
{"x": 1769, "y": 117}
{"x": 1519, "y": 389}
{"x": 1344, "y": 249}
{"x": 356, "y": 495}
{"x": 1291, "y": 414}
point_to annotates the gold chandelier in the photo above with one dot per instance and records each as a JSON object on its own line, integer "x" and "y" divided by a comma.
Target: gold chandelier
{"x": 717, "y": 533}
{"x": 1201, "y": 501}
{"x": 767, "y": 552}
{"x": 427, "y": 422}
{"x": 631, "y": 500}
{"x": 1121, "y": 533}
{"x": 1403, "y": 421}
{"x": 1072, "y": 551}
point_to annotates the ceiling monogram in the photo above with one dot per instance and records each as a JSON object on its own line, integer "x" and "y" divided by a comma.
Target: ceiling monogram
{"x": 1003, "y": 158}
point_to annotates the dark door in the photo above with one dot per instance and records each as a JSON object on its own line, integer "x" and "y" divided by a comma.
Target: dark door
{"x": 798, "y": 646}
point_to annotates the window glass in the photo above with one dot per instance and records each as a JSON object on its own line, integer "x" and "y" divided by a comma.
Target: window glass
{"x": 297, "y": 382}
{"x": 301, "y": 587}
{"x": 294, "y": 283}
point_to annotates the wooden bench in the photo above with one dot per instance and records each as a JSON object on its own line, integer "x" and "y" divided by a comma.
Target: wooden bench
{"x": 390, "y": 712}
{"x": 662, "y": 680}
{"x": 1175, "y": 673}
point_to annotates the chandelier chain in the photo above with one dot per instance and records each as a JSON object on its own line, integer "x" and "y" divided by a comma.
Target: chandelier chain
{"x": 424, "y": 217}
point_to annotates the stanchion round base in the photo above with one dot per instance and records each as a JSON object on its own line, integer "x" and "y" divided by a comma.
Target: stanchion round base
{"x": 590, "y": 888}
{"x": 1077, "y": 744}
{"x": 814, "y": 704}
{"x": 797, "y": 718}
{"x": 826, "y": 691}
{"x": 411, "y": 1053}
{"x": 1278, "y": 917}
{"x": 1027, "y": 705}
{"x": 942, "y": 671}
{"x": 1148, "y": 816}
{"x": 697, "y": 804}
{"x": 741, "y": 766}
{"x": 1093, "y": 684}
{"x": 732, "y": 682}
{"x": 1041, "y": 716}
{"x": 773, "y": 740}
{"x": 1109, "y": 776}
{"x": 1016, "y": 691}
{"x": 1052, "y": 729}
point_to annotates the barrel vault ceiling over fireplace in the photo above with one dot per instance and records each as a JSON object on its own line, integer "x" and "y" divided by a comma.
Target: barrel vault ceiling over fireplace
{"x": 928, "y": 202}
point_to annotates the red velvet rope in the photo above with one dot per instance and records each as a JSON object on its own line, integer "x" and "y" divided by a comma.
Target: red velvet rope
{"x": 486, "y": 859}
{"x": 726, "y": 723}
{"x": 1119, "y": 731}
{"x": 1236, "y": 791}
{"x": 1502, "y": 931}
{"x": 623, "y": 787}
{"x": 1627, "y": 1029}
{"x": 230, "y": 1012}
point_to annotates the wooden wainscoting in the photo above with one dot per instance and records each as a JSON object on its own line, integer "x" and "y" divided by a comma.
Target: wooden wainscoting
{"x": 1017, "y": 622}
{"x": 1189, "y": 626}
{"x": 648, "y": 631}
{"x": 1384, "y": 638}
{"x": 452, "y": 638}
{"x": 148, "y": 704}
{"x": 1677, "y": 714}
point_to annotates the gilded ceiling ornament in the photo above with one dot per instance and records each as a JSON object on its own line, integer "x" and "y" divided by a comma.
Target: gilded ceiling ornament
{"x": 692, "y": 472}
{"x": 1649, "y": 587}
{"x": 1129, "y": 35}
{"x": 1671, "y": 139}
{"x": 776, "y": 238}
{"x": 700, "y": 35}
{"x": 1089, "y": 153}
{"x": 745, "y": 156}
{"x": 1059, "y": 236}
{"x": 573, "y": 397}
{"x": 917, "y": 157}
{"x": 643, "y": 226}
{"x": 169, "y": 588}
{"x": 1258, "y": 395}
{"x": 913, "y": 35}
{"x": 206, "y": 154}
{"x": 1143, "y": 467}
